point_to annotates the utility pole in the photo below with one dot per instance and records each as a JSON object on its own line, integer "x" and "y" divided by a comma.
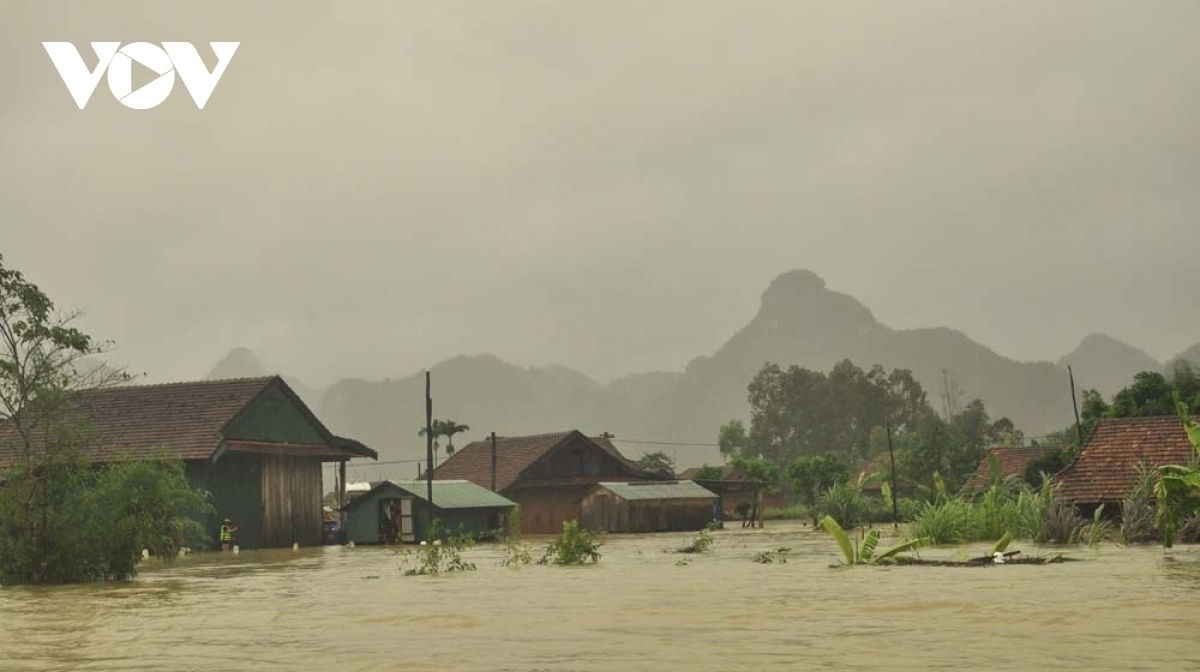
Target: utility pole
{"x": 1075, "y": 405}
{"x": 428, "y": 454}
{"x": 892, "y": 454}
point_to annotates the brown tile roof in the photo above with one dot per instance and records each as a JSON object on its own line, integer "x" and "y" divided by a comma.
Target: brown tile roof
{"x": 185, "y": 419}
{"x": 473, "y": 462}
{"x": 1106, "y": 468}
{"x": 1014, "y": 460}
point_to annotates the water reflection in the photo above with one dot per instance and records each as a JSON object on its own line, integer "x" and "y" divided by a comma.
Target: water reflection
{"x": 350, "y": 609}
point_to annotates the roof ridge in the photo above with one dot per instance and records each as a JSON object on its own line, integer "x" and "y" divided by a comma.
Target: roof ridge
{"x": 182, "y": 383}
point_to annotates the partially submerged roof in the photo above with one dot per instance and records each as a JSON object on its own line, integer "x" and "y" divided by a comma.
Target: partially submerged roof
{"x": 1106, "y": 468}
{"x": 514, "y": 454}
{"x": 194, "y": 420}
{"x": 455, "y": 494}
{"x": 1012, "y": 461}
{"x": 659, "y": 490}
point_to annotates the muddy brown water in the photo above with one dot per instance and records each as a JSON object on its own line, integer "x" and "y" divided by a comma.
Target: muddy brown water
{"x": 350, "y": 609}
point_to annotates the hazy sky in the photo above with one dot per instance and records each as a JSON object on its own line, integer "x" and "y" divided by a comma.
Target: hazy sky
{"x": 376, "y": 186}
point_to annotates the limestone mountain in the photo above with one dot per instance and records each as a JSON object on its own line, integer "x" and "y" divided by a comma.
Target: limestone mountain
{"x": 1191, "y": 355}
{"x": 800, "y": 321}
{"x": 244, "y": 363}
{"x": 1103, "y": 363}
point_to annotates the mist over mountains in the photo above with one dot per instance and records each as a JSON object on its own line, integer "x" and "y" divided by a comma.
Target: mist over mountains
{"x": 800, "y": 321}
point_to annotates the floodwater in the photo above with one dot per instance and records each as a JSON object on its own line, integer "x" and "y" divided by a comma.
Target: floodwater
{"x": 640, "y": 608}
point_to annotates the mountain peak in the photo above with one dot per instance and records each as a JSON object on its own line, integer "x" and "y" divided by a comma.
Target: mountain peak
{"x": 801, "y": 296}
{"x": 1107, "y": 364}
{"x": 239, "y": 363}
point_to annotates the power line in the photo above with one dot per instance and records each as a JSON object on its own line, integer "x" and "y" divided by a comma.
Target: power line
{"x": 667, "y": 443}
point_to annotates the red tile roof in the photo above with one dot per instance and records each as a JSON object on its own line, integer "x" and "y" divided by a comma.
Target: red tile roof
{"x": 1106, "y": 468}
{"x": 1014, "y": 460}
{"x": 185, "y": 419}
{"x": 473, "y": 462}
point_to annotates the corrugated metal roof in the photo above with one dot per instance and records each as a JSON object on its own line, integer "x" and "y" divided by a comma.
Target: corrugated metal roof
{"x": 455, "y": 494}
{"x": 659, "y": 490}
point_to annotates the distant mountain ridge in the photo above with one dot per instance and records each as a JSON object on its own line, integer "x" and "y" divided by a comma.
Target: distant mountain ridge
{"x": 800, "y": 321}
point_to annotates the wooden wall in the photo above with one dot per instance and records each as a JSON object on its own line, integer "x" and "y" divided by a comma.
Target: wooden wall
{"x": 291, "y": 501}
{"x": 545, "y": 509}
{"x": 605, "y": 512}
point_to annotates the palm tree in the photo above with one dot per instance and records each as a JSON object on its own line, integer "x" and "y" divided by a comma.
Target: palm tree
{"x": 446, "y": 428}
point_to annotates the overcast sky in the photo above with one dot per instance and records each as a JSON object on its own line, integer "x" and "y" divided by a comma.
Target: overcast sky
{"x": 376, "y": 186}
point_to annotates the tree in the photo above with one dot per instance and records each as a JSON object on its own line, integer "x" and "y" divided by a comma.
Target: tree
{"x": 443, "y": 428}
{"x": 798, "y": 412}
{"x": 810, "y": 476}
{"x": 448, "y": 429}
{"x": 61, "y": 520}
{"x": 761, "y": 471}
{"x": 733, "y": 440}
{"x": 657, "y": 462}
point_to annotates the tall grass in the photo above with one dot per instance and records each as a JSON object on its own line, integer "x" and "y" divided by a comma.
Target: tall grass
{"x": 1013, "y": 508}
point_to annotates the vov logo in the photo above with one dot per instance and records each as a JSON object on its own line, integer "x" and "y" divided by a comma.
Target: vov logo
{"x": 117, "y": 61}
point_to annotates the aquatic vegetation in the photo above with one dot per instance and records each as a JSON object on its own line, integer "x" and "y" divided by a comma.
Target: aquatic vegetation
{"x": 699, "y": 544}
{"x": 776, "y": 556}
{"x": 863, "y": 553}
{"x": 437, "y": 556}
{"x": 574, "y": 546}
{"x": 515, "y": 552}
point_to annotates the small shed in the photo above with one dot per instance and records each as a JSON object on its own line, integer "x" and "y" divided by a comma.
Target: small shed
{"x": 654, "y": 506}
{"x": 397, "y": 511}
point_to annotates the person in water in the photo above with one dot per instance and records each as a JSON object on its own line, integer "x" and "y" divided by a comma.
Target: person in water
{"x": 227, "y": 530}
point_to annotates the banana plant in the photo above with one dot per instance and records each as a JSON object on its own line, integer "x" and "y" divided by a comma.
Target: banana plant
{"x": 856, "y": 553}
{"x": 1178, "y": 487}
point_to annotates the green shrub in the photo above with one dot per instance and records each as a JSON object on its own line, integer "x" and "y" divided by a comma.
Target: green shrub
{"x": 699, "y": 544}
{"x": 845, "y": 504}
{"x": 793, "y": 512}
{"x": 1137, "y": 509}
{"x": 437, "y": 556}
{"x": 93, "y": 524}
{"x": 574, "y": 546}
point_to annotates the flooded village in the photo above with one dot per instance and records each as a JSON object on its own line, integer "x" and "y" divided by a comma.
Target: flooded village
{"x": 563, "y": 335}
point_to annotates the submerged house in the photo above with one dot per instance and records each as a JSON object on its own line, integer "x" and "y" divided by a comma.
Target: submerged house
{"x": 388, "y": 512}
{"x": 733, "y": 488}
{"x": 1106, "y": 468}
{"x": 251, "y": 442}
{"x": 649, "y": 506}
{"x": 548, "y": 475}
{"x": 1010, "y": 461}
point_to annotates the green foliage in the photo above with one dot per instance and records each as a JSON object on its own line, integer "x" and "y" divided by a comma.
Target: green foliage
{"x": 1178, "y": 488}
{"x": 93, "y": 524}
{"x": 1138, "y": 509}
{"x": 793, "y": 512}
{"x": 856, "y": 553}
{"x": 797, "y": 412}
{"x": 812, "y": 475}
{"x": 574, "y": 546}
{"x": 1002, "y": 510}
{"x": 515, "y": 552}
{"x": 776, "y": 556}
{"x": 846, "y": 504}
{"x": 61, "y": 521}
{"x": 437, "y": 556}
{"x": 732, "y": 440}
{"x": 708, "y": 472}
{"x": 656, "y": 462}
{"x": 700, "y": 543}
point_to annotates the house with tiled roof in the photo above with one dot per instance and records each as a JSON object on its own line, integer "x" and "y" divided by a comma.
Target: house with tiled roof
{"x": 251, "y": 442}
{"x": 548, "y": 475}
{"x": 1105, "y": 469}
{"x": 1011, "y": 461}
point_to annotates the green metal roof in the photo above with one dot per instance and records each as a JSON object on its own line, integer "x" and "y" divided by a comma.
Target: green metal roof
{"x": 657, "y": 490}
{"x": 455, "y": 494}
